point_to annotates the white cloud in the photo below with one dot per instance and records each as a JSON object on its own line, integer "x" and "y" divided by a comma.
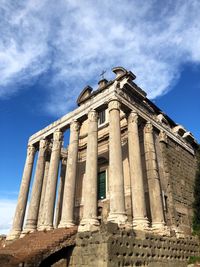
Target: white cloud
{"x": 77, "y": 39}
{"x": 7, "y": 209}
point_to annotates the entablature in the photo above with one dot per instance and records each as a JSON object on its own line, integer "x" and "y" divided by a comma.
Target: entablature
{"x": 131, "y": 97}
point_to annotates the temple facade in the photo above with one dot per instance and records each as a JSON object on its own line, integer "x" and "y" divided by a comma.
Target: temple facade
{"x": 127, "y": 162}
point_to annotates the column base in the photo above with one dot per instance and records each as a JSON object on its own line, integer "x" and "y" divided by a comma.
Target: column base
{"x": 14, "y": 234}
{"x": 27, "y": 231}
{"x": 140, "y": 223}
{"x": 40, "y": 228}
{"x": 67, "y": 224}
{"x": 118, "y": 218}
{"x": 88, "y": 225}
{"x": 158, "y": 225}
{"x": 45, "y": 228}
{"x": 160, "y": 228}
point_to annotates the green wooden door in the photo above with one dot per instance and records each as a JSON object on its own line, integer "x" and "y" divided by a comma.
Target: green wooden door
{"x": 101, "y": 185}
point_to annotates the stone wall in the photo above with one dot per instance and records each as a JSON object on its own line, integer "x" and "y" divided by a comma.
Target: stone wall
{"x": 112, "y": 247}
{"x": 179, "y": 168}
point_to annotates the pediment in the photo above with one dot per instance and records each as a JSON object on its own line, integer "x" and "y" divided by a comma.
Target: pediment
{"x": 86, "y": 92}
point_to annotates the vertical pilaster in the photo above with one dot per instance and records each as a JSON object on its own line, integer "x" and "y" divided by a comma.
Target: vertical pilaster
{"x": 33, "y": 209}
{"x": 23, "y": 195}
{"x": 137, "y": 186}
{"x": 50, "y": 195}
{"x": 170, "y": 205}
{"x": 67, "y": 219}
{"x": 89, "y": 220}
{"x": 116, "y": 176}
{"x": 155, "y": 193}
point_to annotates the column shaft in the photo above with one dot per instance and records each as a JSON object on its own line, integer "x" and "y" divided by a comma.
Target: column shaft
{"x": 116, "y": 176}
{"x": 155, "y": 194}
{"x": 41, "y": 215}
{"x": 67, "y": 219}
{"x": 50, "y": 195}
{"x": 89, "y": 219}
{"x": 59, "y": 204}
{"x": 23, "y": 195}
{"x": 32, "y": 217}
{"x": 137, "y": 186}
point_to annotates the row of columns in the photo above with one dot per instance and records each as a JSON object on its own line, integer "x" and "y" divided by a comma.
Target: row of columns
{"x": 43, "y": 197}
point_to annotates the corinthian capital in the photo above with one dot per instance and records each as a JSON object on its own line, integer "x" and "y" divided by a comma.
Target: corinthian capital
{"x": 74, "y": 126}
{"x": 133, "y": 117}
{"x": 163, "y": 137}
{"x": 43, "y": 144}
{"x": 31, "y": 150}
{"x": 114, "y": 104}
{"x": 58, "y": 135}
{"x": 148, "y": 127}
{"x": 92, "y": 115}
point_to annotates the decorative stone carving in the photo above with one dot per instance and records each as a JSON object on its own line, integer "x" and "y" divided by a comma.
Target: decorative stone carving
{"x": 119, "y": 71}
{"x": 161, "y": 118}
{"x": 163, "y": 137}
{"x": 85, "y": 94}
{"x": 31, "y": 150}
{"x": 74, "y": 126}
{"x": 113, "y": 104}
{"x": 57, "y": 139}
{"x": 57, "y": 135}
{"x": 92, "y": 115}
{"x": 133, "y": 117}
{"x": 148, "y": 127}
{"x": 43, "y": 145}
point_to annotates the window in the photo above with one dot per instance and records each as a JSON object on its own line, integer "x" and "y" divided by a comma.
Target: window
{"x": 102, "y": 117}
{"x": 101, "y": 183}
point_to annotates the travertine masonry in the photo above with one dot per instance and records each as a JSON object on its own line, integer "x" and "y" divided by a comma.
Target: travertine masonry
{"x": 111, "y": 247}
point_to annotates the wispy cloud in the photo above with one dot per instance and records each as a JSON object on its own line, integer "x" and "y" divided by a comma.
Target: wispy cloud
{"x": 7, "y": 208}
{"x": 74, "y": 40}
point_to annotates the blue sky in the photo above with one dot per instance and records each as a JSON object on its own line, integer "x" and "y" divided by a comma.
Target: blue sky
{"x": 50, "y": 50}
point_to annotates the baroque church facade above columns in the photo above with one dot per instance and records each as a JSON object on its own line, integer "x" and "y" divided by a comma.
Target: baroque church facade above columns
{"x": 124, "y": 164}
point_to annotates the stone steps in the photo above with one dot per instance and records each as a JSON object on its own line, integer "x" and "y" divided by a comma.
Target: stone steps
{"x": 36, "y": 246}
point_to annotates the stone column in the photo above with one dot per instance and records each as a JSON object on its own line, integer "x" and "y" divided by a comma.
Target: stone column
{"x": 32, "y": 217}
{"x": 116, "y": 176}
{"x": 50, "y": 195}
{"x": 41, "y": 215}
{"x": 67, "y": 219}
{"x": 89, "y": 221}
{"x": 59, "y": 203}
{"x": 155, "y": 194}
{"x": 23, "y": 195}
{"x": 137, "y": 186}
